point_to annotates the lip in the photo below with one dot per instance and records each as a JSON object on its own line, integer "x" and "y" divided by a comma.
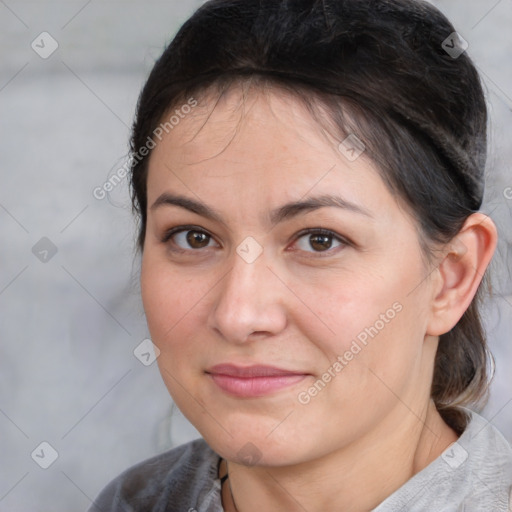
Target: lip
{"x": 253, "y": 381}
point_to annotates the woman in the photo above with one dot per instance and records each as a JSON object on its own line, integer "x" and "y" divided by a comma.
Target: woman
{"x": 308, "y": 176}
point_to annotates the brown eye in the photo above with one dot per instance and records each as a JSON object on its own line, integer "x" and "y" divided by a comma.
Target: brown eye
{"x": 320, "y": 242}
{"x": 316, "y": 240}
{"x": 187, "y": 239}
{"x": 197, "y": 240}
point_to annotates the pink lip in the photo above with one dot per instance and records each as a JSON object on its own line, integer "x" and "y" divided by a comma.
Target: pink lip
{"x": 253, "y": 381}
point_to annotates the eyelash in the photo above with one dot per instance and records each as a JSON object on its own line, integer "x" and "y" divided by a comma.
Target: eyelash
{"x": 316, "y": 231}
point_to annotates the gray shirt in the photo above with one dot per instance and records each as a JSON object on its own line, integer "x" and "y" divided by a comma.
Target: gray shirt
{"x": 472, "y": 475}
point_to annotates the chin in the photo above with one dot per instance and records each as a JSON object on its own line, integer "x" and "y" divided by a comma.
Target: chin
{"x": 255, "y": 452}
{"x": 251, "y": 444}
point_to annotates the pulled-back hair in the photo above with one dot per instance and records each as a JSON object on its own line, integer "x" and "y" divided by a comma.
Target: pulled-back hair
{"x": 380, "y": 69}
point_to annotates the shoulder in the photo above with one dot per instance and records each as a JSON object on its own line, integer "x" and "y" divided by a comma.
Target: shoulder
{"x": 488, "y": 456}
{"x": 175, "y": 480}
{"x": 474, "y": 473}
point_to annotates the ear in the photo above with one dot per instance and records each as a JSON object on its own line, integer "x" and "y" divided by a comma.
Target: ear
{"x": 461, "y": 271}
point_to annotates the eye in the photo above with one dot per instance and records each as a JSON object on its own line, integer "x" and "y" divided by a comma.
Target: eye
{"x": 314, "y": 240}
{"x": 187, "y": 238}
{"x": 320, "y": 240}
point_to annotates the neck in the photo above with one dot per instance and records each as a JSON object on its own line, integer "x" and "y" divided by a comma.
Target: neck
{"x": 354, "y": 478}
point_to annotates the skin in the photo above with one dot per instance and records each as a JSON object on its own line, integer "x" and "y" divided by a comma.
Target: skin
{"x": 298, "y": 307}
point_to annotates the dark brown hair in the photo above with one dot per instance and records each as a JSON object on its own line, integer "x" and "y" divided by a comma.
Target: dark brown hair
{"x": 380, "y": 69}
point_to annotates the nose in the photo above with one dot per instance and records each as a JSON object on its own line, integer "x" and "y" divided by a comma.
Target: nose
{"x": 249, "y": 302}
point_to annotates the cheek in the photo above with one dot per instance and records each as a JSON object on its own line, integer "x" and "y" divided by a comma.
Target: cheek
{"x": 355, "y": 306}
{"x": 167, "y": 297}
{"x": 378, "y": 364}
{"x": 376, "y": 329}
{"x": 175, "y": 303}
{"x": 171, "y": 300}
{"x": 372, "y": 298}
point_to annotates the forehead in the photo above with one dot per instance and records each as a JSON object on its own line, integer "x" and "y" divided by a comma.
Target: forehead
{"x": 258, "y": 143}
{"x": 270, "y": 118}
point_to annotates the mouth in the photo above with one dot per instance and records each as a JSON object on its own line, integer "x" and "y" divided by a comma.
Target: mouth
{"x": 253, "y": 381}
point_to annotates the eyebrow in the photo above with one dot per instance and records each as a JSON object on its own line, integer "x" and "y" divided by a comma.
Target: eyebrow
{"x": 280, "y": 214}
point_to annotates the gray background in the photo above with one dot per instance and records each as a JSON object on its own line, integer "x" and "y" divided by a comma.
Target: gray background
{"x": 69, "y": 325}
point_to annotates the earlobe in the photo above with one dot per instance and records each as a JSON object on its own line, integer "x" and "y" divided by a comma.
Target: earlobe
{"x": 461, "y": 270}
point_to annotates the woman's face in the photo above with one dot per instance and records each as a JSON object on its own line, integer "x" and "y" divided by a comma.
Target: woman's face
{"x": 280, "y": 345}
